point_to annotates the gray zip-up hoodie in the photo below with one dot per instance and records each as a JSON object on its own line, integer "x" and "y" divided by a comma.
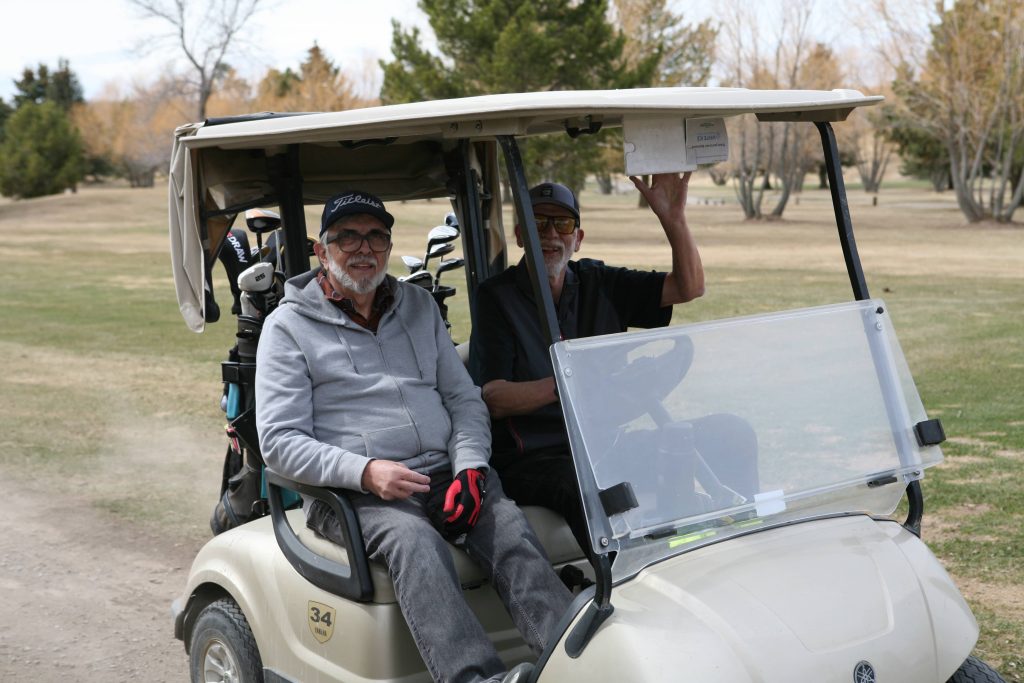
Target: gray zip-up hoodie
{"x": 331, "y": 395}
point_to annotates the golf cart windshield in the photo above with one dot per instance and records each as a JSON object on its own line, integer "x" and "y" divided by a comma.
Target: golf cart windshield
{"x": 687, "y": 435}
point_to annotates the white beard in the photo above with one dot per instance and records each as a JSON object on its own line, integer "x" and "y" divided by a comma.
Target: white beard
{"x": 555, "y": 263}
{"x": 362, "y": 286}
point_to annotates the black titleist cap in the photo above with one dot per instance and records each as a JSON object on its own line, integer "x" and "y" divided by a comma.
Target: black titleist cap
{"x": 353, "y": 202}
{"x": 557, "y": 194}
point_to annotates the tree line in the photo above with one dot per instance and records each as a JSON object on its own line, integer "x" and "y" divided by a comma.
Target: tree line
{"x": 953, "y": 79}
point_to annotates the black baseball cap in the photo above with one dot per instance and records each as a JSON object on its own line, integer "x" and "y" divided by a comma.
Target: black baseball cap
{"x": 557, "y": 194}
{"x": 350, "y": 203}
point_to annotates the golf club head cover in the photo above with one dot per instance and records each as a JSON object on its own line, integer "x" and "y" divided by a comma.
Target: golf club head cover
{"x": 236, "y": 257}
{"x": 463, "y": 500}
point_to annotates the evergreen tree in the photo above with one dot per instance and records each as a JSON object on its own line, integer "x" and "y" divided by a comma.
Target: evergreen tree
{"x": 491, "y": 46}
{"x": 683, "y": 54}
{"x": 922, "y": 154}
{"x": 32, "y": 86}
{"x": 42, "y": 85}
{"x": 5, "y": 113}
{"x": 496, "y": 46}
{"x": 41, "y": 152}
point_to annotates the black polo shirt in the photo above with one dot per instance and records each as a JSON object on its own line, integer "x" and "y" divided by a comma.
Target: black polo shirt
{"x": 507, "y": 341}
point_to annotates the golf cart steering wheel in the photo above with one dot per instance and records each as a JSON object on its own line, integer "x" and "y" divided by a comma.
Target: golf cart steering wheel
{"x": 643, "y": 383}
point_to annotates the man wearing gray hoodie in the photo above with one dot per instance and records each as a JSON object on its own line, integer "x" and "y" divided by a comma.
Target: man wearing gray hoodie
{"x": 358, "y": 386}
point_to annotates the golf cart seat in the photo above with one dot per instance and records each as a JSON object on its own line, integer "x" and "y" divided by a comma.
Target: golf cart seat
{"x": 345, "y": 571}
{"x": 463, "y": 350}
{"x": 551, "y": 529}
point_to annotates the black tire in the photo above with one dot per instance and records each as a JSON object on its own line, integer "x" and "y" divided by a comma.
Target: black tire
{"x": 973, "y": 670}
{"x": 223, "y": 649}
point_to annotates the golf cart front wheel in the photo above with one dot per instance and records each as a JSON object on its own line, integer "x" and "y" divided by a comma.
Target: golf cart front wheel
{"x": 223, "y": 649}
{"x": 973, "y": 670}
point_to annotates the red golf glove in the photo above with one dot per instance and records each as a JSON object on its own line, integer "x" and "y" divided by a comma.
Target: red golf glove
{"x": 463, "y": 500}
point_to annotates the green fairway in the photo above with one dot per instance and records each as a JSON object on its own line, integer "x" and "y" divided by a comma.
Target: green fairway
{"x": 105, "y": 392}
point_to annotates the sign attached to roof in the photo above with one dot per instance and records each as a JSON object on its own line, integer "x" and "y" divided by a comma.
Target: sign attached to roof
{"x": 706, "y": 141}
{"x": 672, "y": 144}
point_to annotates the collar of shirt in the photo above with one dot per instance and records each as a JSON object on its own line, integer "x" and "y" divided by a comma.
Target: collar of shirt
{"x": 567, "y": 304}
{"x": 570, "y": 284}
{"x": 382, "y": 300}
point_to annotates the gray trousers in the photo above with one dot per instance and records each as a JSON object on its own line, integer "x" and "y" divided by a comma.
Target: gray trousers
{"x": 453, "y": 644}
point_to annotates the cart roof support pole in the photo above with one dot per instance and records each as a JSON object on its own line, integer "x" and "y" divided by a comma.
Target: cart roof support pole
{"x": 857, "y": 281}
{"x": 531, "y": 239}
{"x": 468, "y": 202}
{"x": 286, "y": 175}
{"x": 842, "y": 210}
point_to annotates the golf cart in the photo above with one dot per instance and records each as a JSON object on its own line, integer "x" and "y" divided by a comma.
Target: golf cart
{"x": 804, "y": 577}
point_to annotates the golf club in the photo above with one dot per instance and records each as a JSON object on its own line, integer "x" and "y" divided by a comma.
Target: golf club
{"x": 412, "y": 263}
{"x": 421, "y": 278}
{"x": 445, "y": 266}
{"x": 441, "y": 234}
{"x": 261, "y": 221}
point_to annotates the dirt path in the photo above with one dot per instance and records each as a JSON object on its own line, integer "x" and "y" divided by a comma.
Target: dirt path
{"x": 81, "y": 598}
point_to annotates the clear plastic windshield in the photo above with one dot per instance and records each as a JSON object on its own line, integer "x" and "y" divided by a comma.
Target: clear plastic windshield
{"x": 687, "y": 434}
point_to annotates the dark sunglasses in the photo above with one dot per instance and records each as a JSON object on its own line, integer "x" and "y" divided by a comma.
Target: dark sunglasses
{"x": 350, "y": 241}
{"x": 563, "y": 225}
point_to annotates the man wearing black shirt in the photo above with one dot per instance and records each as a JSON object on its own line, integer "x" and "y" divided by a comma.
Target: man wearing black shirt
{"x": 509, "y": 354}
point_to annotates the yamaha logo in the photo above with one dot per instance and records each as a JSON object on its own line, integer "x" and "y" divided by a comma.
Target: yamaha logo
{"x": 863, "y": 673}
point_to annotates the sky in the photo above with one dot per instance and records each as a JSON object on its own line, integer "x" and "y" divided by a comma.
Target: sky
{"x": 108, "y": 41}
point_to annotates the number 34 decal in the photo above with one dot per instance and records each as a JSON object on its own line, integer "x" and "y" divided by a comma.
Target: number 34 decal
{"x": 321, "y": 620}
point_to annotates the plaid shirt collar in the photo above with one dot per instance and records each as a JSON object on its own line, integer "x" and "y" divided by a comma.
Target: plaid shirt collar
{"x": 382, "y": 300}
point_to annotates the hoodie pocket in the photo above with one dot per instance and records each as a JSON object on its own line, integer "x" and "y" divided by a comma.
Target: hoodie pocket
{"x": 393, "y": 443}
{"x": 426, "y": 357}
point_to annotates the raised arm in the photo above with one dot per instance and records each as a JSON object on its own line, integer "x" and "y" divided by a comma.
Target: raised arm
{"x": 667, "y": 197}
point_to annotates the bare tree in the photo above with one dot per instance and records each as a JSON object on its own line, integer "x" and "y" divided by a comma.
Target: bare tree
{"x": 748, "y": 157}
{"x": 684, "y": 53}
{"x": 769, "y": 155}
{"x": 964, "y": 85}
{"x": 233, "y": 95}
{"x": 129, "y": 129}
{"x": 865, "y": 133}
{"x": 204, "y": 32}
{"x": 318, "y": 85}
{"x": 873, "y": 157}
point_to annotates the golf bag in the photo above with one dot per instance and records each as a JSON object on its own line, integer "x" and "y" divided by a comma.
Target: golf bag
{"x": 243, "y": 495}
{"x": 242, "y": 492}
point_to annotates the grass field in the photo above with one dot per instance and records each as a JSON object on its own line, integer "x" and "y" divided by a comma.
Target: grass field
{"x": 107, "y": 392}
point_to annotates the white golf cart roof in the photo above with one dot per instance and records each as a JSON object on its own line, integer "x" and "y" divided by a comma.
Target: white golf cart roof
{"x": 220, "y": 167}
{"x": 527, "y": 114}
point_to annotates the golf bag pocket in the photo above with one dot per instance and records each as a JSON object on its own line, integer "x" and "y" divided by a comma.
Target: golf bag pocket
{"x": 240, "y": 499}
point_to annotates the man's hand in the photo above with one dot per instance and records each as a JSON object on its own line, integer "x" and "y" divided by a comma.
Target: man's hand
{"x": 666, "y": 195}
{"x": 393, "y": 480}
{"x": 462, "y": 502}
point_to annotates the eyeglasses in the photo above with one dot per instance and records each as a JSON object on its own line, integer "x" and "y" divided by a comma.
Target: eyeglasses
{"x": 563, "y": 225}
{"x": 350, "y": 241}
